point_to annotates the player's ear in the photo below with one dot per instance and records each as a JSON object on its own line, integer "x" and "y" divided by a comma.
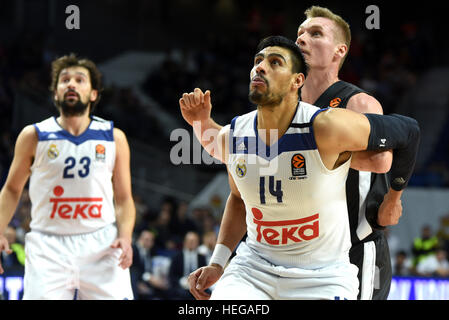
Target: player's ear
{"x": 298, "y": 80}
{"x": 341, "y": 50}
{"x": 93, "y": 95}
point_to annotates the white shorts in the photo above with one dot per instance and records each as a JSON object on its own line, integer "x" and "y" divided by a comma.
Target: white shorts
{"x": 249, "y": 277}
{"x": 74, "y": 266}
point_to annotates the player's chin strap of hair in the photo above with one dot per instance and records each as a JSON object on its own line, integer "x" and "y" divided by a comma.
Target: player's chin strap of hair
{"x": 400, "y": 133}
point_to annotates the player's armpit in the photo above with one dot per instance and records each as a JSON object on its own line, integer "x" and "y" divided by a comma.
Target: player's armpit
{"x": 372, "y": 161}
{"x": 221, "y": 146}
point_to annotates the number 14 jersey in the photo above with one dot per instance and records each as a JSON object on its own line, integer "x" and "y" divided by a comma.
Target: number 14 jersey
{"x": 296, "y": 212}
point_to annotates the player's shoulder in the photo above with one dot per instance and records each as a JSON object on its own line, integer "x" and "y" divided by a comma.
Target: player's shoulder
{"x": 243, "y": 125}
{"x": 224, "y": 132}
{"x": 29, "y": 131}
{"x": 99, "y": 119}
{"x": 244, "y": 118}
{"x": 118, "y": 134}
{"x": 47, "y": 125}
{"x": 27, "y": 138}
{"x": 350, "y": 86}
{"x": 364, "y": 103}
{"x": 305, "y": 114}
{"x": 308, "y": 107}
{"x": 328, "y": 122}
{"x": 303, "y": 104}
{"x": 240, "y": 126}
{"x": 101, "y": 124}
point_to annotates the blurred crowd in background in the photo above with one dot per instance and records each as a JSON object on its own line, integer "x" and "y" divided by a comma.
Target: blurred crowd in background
{"x": 387, "y": 65}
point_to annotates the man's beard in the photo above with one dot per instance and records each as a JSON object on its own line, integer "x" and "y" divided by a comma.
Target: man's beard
{"x": 264, "y": 98}
{"x": 72, "y": 110}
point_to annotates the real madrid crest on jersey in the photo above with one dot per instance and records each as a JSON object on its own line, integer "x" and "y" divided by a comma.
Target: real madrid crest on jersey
{"x": 240, "y": 168}
{"x": 53, "y": 152}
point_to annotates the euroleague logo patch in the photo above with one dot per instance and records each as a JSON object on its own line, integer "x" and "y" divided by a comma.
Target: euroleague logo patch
{"x": 334, "y": 103}
{"x": 299, "y": 168}
{"x": 100, "y": 152}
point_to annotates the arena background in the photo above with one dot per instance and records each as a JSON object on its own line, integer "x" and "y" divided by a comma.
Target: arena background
{"x": 150, "y": 52}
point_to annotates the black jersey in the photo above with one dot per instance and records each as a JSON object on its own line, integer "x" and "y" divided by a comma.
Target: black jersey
{"x": 364, "y": 190}
{"x": 364, "y": 194}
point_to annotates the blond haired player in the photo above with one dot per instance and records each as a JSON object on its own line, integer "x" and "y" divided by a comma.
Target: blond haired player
{"x": 83, "y": 214}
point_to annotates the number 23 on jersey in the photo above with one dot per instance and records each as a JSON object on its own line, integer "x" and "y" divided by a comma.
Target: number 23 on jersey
{"x": 72, "y": 167}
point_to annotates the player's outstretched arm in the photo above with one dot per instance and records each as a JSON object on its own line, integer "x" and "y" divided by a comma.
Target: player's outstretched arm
{"x": 196, "y": 108}
{"x": 340, "y": 130}
{"x": 17, "y": 177}
{"x": 232, "y": 230}
{"x": 124, "y": 203}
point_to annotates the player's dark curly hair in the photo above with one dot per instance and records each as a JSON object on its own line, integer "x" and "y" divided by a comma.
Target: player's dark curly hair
{"x": 72, "y": 60}
{"x": 299, "y": 64}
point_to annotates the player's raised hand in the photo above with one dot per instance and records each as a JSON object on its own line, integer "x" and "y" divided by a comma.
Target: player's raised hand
{"x": 4, "y": 246}
{"x": 195, "y": 106}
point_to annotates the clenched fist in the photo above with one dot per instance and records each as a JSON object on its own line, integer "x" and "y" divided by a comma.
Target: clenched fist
{"x": 195, "y": 106}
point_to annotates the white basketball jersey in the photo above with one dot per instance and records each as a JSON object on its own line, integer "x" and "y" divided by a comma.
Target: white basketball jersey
{"x": 70, "y": 183}
{"x": 296, "y": 211}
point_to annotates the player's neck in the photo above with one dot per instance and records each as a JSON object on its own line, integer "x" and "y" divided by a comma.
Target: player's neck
{"x": 317, "y": 81}
{"x": 276, "y": 118}
{"x": 74, "y": 125}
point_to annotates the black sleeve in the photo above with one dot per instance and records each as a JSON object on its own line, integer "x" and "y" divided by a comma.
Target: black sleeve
{"x": 400, "y": 133}
{"x": 379, "y": 187}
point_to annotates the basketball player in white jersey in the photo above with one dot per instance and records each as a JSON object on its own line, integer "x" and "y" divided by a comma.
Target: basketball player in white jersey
{"x": 292, "y": 184}
{"x": 82, "y": 214}
{"x": 324, "y": 39}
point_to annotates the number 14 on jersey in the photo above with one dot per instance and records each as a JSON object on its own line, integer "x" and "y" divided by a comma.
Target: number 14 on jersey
{"x": 274, "y": 187}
